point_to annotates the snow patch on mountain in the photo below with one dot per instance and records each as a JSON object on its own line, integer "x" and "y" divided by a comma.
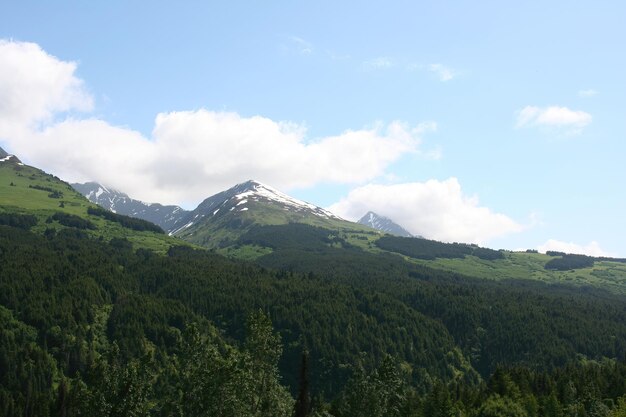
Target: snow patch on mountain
{"x": 118, "y": 202}
{"x": 384, "y": 224}
{"x": 255, "y": 191}
{"x": 6, "y": 157}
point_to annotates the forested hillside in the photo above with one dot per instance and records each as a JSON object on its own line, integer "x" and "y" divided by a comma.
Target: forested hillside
{"x": 106, "y": 315}
{"x": 55, "y": 204}
{"x": 84, "y": 318}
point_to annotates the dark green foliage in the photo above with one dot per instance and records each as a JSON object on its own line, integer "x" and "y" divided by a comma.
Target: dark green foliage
{"x": 204, "y": 379}
{"x": 121, "y": 244}
{"x": 71, "y": 220}
{"x": 303, "y": 401}
{"x": 263, "y": 349}
{"x": 567, "y": 262}
{"x": 293, "y": 236}
{"x": 23, "y": 221}
{"x": 497, "y": 406}
{"x": 431, "y": 249}
{"x": 439, "y": 403}
{"x": 581, "y": 389}
{"x": 128, "y": 222}
{"x": 522, "y": 322}
{"x": 380, "y": 393}
{"x": 25, "y": 369}
{"x": 604, "y": 258}
{"x": 113, "y": 388}
{"x": 67, "y": 300}
{"x": 53, "y": 193}
{"x": 336, "y": 321}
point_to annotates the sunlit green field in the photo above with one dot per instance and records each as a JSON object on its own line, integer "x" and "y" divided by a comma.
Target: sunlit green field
{"x": 515, "y": 265}
{"x": 18, "y": 196}
{"x": 521, "y": 265}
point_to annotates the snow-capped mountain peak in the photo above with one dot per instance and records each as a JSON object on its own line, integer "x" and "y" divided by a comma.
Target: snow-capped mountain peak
{"x": 237, "y": 208}
{"x": 256, "y": 191}
{"x": 384, "y": 224}
{"x": 119, "y": 202}
{"x": 95, "y": 194}
{"x": 7, "y": 157}
{"x": 244, "y": 205}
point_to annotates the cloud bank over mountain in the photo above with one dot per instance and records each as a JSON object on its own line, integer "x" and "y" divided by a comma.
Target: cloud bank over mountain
{"x": 434, "y": 209}
{"x": 190, "y": 154}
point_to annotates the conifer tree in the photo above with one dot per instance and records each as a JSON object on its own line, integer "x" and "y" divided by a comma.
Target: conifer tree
{"x": 303, "y": 402}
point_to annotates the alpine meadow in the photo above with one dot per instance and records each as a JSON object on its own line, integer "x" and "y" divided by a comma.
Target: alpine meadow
{"x": 312, "y": 210}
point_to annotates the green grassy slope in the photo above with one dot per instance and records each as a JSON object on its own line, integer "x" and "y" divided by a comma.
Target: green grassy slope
{"x": 28, "y": 190}
{"x": 521, "y": 265}
{"x": 604, "y": 274}
{"x": 222, "y": 231}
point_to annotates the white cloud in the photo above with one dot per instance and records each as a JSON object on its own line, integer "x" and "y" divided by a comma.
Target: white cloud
{"x": 443, "y": 73}
{"x": 553, "y": 116}
{"x": 34, "y": 86}
{"x": 302, "y": 46}
{"x": 338, "y": 57}
{"x": 378, "y": 63}
{"x": 591, "y": 249}
{"x": 194, "y": 154}
{"x": 434, "y": 209}
{"x": 587, "y": 93}
{"x": 190, "y": 154}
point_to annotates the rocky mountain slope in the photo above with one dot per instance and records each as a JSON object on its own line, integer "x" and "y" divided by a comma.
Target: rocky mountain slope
{"x": 118, "y": 202}
{"x": 220, "y": 219}
{"x": 384, "y": 224}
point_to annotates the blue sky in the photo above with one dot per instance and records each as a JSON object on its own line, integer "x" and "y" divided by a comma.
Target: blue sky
{"x": 470, "y": 121}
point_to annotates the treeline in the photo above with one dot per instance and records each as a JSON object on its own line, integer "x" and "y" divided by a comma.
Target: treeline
{"x": 298, "y": 236}
{"x": 71, "y": 220}
{"x": 23, "y": 221}
{"x": 53, "y": 193}
{"x": 567, "y": 262}
{"x": 334, "y": 320}
{"x": 294, "y": 236}
{"x": 582, "y": 389}
{"x": 126, "y": 221}
{"x": 68, "y": 300}
{"x": 431, "y": 249}
{"x": 492, "y": 322}
{"x": 68, "y": 284}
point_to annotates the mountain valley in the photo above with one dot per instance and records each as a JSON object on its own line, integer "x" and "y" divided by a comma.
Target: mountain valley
{"x": 434, "y": 325}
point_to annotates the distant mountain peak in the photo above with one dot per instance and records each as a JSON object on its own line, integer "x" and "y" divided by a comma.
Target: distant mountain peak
{"x": 119, "y": 202}
{"x": 248, "y": 185}
{"x": 7, "y": 157}
{"x": 257, "y": 191}
{"x": 384, "y": 224}
{"x": 222, "y": 218}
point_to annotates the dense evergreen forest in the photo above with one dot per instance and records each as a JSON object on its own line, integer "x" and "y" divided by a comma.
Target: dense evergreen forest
{"x": 96, "y": 327}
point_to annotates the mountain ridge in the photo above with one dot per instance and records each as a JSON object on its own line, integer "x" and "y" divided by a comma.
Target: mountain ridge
{"x": 54, "y": 206}
{"x": 164, "y": 216}
{"x": 7, "y": 157}
{"x": 384, "y": 224}
{"x": 222, "y": 218}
